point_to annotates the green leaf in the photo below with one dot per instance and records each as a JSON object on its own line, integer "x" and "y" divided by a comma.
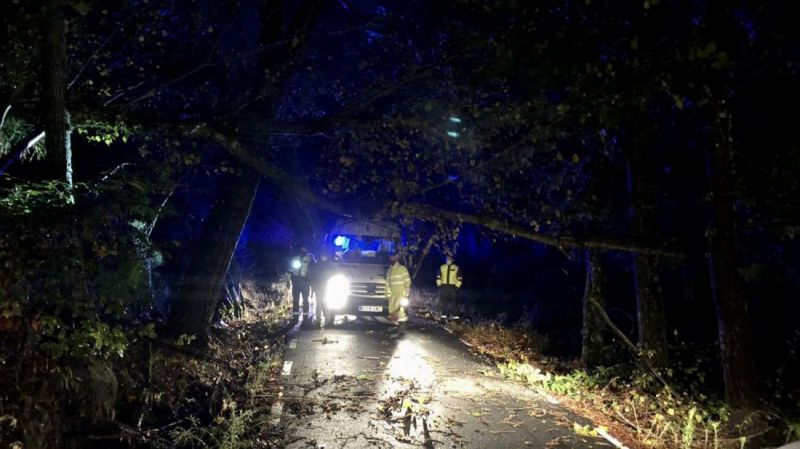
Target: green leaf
{"x": 81, "y": 7}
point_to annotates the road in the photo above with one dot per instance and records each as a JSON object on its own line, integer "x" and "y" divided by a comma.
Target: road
{"x": 367, "y": 384}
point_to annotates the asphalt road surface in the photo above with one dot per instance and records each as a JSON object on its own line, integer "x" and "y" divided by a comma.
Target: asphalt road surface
{"x": 367, "y": 384}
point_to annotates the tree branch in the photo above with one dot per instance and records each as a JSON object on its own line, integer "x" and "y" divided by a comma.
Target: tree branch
{"x": 644, "y": 358}
{"x": 561, "y": 242}
{"x": 5, "y": 114}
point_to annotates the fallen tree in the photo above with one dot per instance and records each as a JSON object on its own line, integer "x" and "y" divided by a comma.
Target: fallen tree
{"x": 417, "y": 210}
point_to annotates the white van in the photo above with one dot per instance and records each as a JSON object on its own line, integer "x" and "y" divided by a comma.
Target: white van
{"x": 362, "y": 250}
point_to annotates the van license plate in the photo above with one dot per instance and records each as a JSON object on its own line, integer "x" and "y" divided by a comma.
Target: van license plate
{"x": 370, "y": 309}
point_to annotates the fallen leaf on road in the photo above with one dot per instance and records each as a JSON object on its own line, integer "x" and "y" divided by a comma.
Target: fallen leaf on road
{"x": 325, "y": 341}
{"x": 586, "y": 431}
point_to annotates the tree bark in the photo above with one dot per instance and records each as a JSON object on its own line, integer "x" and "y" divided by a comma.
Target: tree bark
{"x": 53, "y": 85}
{"x": 650, "y": 314}
{"x": 733, "y": 325}
{"x": 199, "y": 292}
{"x": 593, "y": 331}
{"x": 736, "y": 352}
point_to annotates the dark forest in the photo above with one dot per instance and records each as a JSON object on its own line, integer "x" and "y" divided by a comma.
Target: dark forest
{"x": 616, "y": 184}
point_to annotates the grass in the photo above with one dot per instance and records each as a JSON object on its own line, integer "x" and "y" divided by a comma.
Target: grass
{"x": 231, "y": 432}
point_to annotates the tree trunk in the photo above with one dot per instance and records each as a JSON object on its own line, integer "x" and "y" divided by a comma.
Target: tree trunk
{"x": 203, "y": 286}
{"x": 593, "y": 332}
{"x": 732, "y": 317}
{"x": 736, "y": 352}
{"x": 53, "y": 89}
{"x": 423, "y": 255}
{"x": 649, "y": 299}
{"x": 199, "y": 292}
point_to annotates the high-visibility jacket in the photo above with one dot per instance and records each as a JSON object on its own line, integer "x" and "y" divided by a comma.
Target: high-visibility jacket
{"x": 449, "y": 274}
{"x": 398, "y": 280}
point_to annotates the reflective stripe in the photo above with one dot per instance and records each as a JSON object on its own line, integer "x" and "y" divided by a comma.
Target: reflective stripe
{"x": 449, "y": 274}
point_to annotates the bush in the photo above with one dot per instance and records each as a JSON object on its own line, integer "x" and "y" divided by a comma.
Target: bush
{"x": 627, "y": 397}
{"x": 73, "y": 297}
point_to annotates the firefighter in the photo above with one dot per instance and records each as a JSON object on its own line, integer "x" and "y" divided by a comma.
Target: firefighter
{"x": 300, "y": 282}
{"x": 399, "y": 283}
{"x": 319, "y": 274}
{"x": 449, "y": 281}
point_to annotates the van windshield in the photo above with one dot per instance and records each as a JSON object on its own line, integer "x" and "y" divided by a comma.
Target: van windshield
{"x": 364, "y": 249}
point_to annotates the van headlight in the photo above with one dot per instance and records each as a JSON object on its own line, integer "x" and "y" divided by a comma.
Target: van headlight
{"x": 404, "y": 302}
{"x": 336, "y": 291}
{"x": 296, "y": 263}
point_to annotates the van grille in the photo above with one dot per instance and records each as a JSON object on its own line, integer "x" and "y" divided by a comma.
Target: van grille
{"x": 368, "y": 289}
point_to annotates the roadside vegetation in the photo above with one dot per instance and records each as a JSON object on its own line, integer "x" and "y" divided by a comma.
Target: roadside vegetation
{"x": 677, "y": 407}
{"x": 82, "y": 364}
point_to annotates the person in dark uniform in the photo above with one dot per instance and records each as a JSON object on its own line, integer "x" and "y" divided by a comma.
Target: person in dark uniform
{"x": 300, "y": 282}
{"x": 319, "y": 274}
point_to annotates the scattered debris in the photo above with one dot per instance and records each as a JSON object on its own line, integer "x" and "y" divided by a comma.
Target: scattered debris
{"x": 325, "y": 341}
